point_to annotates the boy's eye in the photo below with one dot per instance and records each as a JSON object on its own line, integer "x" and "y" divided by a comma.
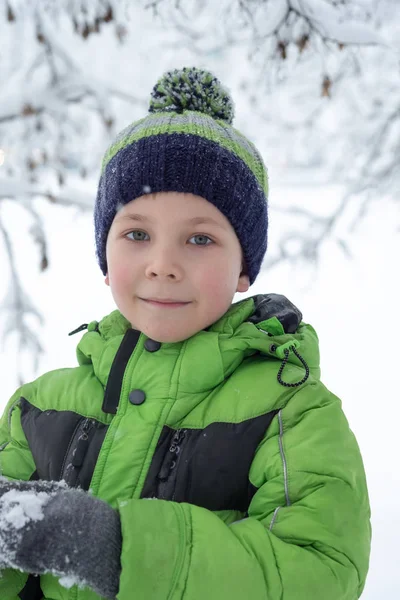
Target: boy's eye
{"x": 203, "y": 239}
{"x": 139, "y": 236}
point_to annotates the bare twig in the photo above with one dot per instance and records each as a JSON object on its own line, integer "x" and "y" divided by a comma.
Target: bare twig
{"x": 17, "y": 306}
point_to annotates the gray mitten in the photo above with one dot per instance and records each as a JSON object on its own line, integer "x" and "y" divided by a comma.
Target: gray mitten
{"x": 46, "y": 527}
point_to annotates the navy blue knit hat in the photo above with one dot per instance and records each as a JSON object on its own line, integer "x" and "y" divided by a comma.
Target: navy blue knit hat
{"x": 187, "y": 144}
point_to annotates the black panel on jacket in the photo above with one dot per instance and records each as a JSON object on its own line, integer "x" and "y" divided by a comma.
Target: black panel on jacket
{"x": 64, "y": 444}
{"x": 208, "y": 467}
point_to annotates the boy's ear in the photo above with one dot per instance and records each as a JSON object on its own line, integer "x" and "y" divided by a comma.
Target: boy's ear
{"x": 243, "y": 282}
{"x": 107, "y": 280}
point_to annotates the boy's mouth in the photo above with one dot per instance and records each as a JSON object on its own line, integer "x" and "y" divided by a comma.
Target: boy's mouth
{"x": 167, "y": 302}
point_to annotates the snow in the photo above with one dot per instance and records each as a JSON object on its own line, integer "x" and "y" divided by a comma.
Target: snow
{"x": 268, "y": 16}
{"x": 14, "y": 186}
{"x": 69, "y": 195}
{"x": 67, "y": 581}
{"x": 329, "y": 20}
{"x": 18, "y": 508}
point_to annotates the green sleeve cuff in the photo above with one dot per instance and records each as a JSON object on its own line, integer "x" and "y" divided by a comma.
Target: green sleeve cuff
{"x": 156, "y": 546}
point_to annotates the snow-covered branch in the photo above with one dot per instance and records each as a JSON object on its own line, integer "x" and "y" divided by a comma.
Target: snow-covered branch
{"x": 333, "y": 23}
{"x": 315, "y": 83}
{"x": 17, "y": 306}
{"x": 305, "y": 244}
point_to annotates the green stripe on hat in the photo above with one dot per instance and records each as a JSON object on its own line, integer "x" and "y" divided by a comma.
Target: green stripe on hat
{"x": 193, "y": 123}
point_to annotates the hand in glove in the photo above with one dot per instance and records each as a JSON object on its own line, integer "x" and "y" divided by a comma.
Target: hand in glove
{"x": 46, "y": 527}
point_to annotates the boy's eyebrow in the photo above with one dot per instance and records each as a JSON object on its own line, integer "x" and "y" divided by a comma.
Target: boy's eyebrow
{"x": 192, "y": 221}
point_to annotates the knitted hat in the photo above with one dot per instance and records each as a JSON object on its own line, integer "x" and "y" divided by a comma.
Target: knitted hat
{"x": 187, "y": 144}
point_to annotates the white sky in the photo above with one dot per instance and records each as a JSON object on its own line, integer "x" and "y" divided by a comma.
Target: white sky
{"x": 353, "y": 306}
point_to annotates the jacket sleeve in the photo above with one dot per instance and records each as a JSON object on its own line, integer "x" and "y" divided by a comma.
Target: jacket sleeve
{"x": 307, "y": 534}
{"x": 16, "y": 462}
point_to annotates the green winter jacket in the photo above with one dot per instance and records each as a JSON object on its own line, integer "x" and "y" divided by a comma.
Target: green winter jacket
{"x": 231, "y": 480}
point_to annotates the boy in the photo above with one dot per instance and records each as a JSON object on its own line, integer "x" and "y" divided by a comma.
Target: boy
{"x": 213, "y": 410}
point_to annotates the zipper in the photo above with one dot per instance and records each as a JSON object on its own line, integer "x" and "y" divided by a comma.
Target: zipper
{"x": 169, "y": 467}
{"x": 82, "y": 445}
{"x": 79, "y": 443}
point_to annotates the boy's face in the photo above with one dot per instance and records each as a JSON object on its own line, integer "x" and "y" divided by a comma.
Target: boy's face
{"x": 154, "y": 251}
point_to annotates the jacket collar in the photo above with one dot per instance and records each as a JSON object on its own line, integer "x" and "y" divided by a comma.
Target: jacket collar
{"x": 258, "y": 324}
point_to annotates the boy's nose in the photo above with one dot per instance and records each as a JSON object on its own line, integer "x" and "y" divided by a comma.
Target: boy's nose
{"x": 163, "y": 266}
{"x": 152, "y": 274}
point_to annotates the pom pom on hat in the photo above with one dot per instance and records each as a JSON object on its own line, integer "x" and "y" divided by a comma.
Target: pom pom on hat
{"x": 192, "y": 89}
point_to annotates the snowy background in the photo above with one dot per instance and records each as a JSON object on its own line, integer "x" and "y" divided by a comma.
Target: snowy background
{"x": 334, "y": 256}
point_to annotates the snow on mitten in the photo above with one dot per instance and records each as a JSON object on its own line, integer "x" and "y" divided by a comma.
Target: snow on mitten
{"x": 46, "y": 527}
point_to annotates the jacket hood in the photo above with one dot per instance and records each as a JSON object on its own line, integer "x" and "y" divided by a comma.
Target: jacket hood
{"x": 267, "y": 324}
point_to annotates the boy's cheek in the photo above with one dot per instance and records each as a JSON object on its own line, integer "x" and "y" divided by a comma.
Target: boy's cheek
{"x": 119, "y": 274}
{"x": 217, "y": 280}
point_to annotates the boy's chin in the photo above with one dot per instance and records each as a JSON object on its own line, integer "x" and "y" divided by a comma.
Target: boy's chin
{"x": 167, "y": 337}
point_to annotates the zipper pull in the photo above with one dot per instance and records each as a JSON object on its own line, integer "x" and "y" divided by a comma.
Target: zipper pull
{"x": 80, "y": 328}
{"x": 166, "y": 467}
{"x": 176, "y": 440}
{"x": 172, "y": 454}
